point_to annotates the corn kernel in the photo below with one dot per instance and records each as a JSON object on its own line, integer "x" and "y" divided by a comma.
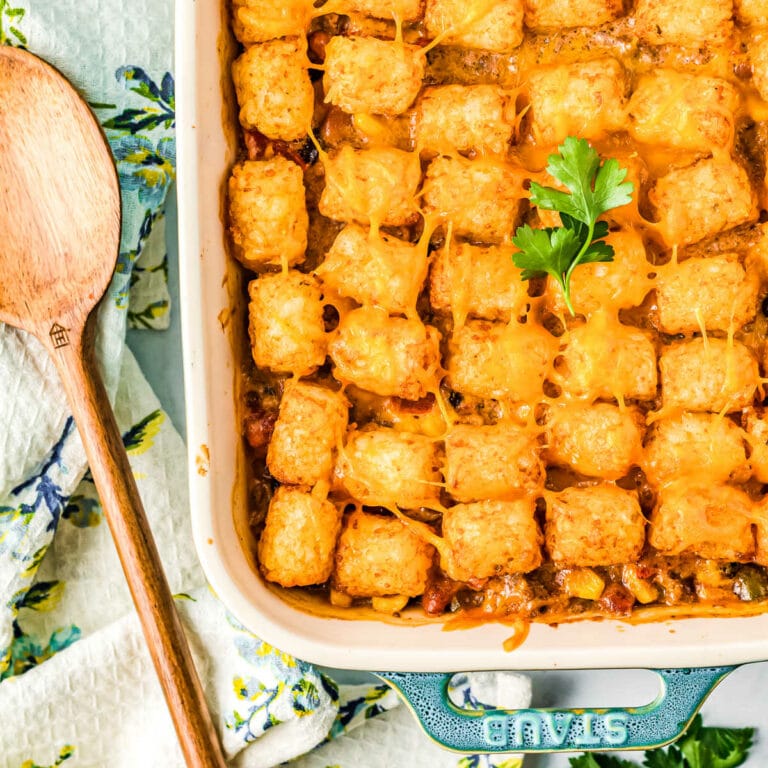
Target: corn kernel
{"x": 642, "y": 589}
{"x": 584, "y": 583}
{"x": 340, "y": 599}
{"x": 391, "y": 605}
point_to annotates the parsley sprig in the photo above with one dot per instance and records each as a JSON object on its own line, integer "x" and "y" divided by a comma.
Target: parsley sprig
{"x": 699, "y": 747}
{"x": 594, "y": 188}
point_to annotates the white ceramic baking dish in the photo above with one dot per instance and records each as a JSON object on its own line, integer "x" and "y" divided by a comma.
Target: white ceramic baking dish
{"x": 206, "y": 150}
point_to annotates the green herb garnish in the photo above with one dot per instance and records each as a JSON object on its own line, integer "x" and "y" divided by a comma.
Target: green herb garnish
{"x": 698, "y": 747}
{"x": 595, "y": 187}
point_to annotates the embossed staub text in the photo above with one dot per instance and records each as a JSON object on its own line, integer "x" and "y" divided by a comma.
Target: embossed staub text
{"x": 554, "y": 729}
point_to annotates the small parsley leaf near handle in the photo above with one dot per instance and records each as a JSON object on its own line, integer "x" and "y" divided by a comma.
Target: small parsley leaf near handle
{"x": 594, "y": 187}
{"x": 698, "y": 747}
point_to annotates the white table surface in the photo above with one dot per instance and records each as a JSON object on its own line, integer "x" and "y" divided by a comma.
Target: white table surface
{"x": 740, "y": 701}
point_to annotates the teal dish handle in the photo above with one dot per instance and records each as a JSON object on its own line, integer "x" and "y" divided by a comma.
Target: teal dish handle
{"x": 681, "y": 694}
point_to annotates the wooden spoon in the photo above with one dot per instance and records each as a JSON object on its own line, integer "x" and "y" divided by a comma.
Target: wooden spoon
{"x": 60, "y": 225}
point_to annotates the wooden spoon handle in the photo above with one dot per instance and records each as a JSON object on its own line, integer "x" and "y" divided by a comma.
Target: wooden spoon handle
{"x": 123, "y": 509}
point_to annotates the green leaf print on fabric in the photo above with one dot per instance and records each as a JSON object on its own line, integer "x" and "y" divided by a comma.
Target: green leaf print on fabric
{"x": 374, "y": 701}
{"x": 306, "y": 698}
{"x": 83, "y": 511}
{"x": 13, "y": 521}
{"x": 271, "y": 688}
{"x": 258, "y": 717}
{"x": 10, "y": 18}
{"x": 143, "y": 144}
{"x": 34, "y": 562}
{"x": 139, "y": 438}
{"x": 161, "y": 111}
{"x": 255, "y": 651}
{"x": 146, "y": 167}
{"x": 144, "y": 163}
{"x": 127, "y": 259}
{"x": 64, "y": 754}
{"x": 140, "y": 271}
{"x": 150, "y": 313}
{"x": 42, "y": 596}
{"x": 27, "y": 525}
{"x": 27, "y": 651}
{"x": 146, "y": 295}
{"x": 42, "y": 496}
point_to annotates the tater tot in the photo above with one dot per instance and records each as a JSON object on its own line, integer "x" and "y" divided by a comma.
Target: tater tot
{"x": 708, "y": 375}
{"x": 701, "y": 200}
{"x": 677, "y": 109}
{"x": 597, "y": 525}
{"x": 604, "y": 359}
{"x": 491, "y": 462}
{"x": 274, "y": 90}
{"x": 299, "y": 538}
{"x": 482, "y": 355}
{"x": 463, "y": 117}
{"x": 475, "y": 281}
{"x": 758, "y": 54}
{"x": 386, "y": 355}
{"x": 583, "y": 99}
{"x": 373, "y": 186}
{"x": 286, "y": 322}
{"x": 757, "y": 253}
{"x": 561, "y": 14}
{"x": 491, "y": 538}
{"x": 256, "y": 21}
{"x": 695, "y": 444}
{"x": 754, "y": 12}
{"x": 480, "y": 198}
{"x": 375, "y": 269}
{"x": 699, "y": 23}
{"x": 309, "y": 427}
{"x": 710, "y": 521}
{"x": 267, "y": 212}
{"x": 494, "y": 26}
{"x": 364, "y": 74}
{"x": 715, "y": 293}
{"x": 386, "y": 467}
{"x": 378, "y": 556}
{"x": 760, "y": 521}
{"x": 601, "y": 440}
{"x": 614, "y": 285}
{"x": 756, "y": 426}
{"x": 405, "y": 10}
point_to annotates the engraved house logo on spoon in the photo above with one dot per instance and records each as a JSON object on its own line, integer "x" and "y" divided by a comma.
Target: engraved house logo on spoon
{"x": 59, "y": 336}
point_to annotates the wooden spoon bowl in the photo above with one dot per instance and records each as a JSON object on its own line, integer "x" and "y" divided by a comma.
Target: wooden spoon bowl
{"x": 60, "y": 203}
{"x": 60, "y": 224}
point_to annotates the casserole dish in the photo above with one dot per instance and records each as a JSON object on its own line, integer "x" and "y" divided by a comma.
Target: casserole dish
{"x": 207, "y": 150}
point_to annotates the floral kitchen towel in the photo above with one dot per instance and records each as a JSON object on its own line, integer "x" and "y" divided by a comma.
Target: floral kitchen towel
{"x": 77, "y": 687}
